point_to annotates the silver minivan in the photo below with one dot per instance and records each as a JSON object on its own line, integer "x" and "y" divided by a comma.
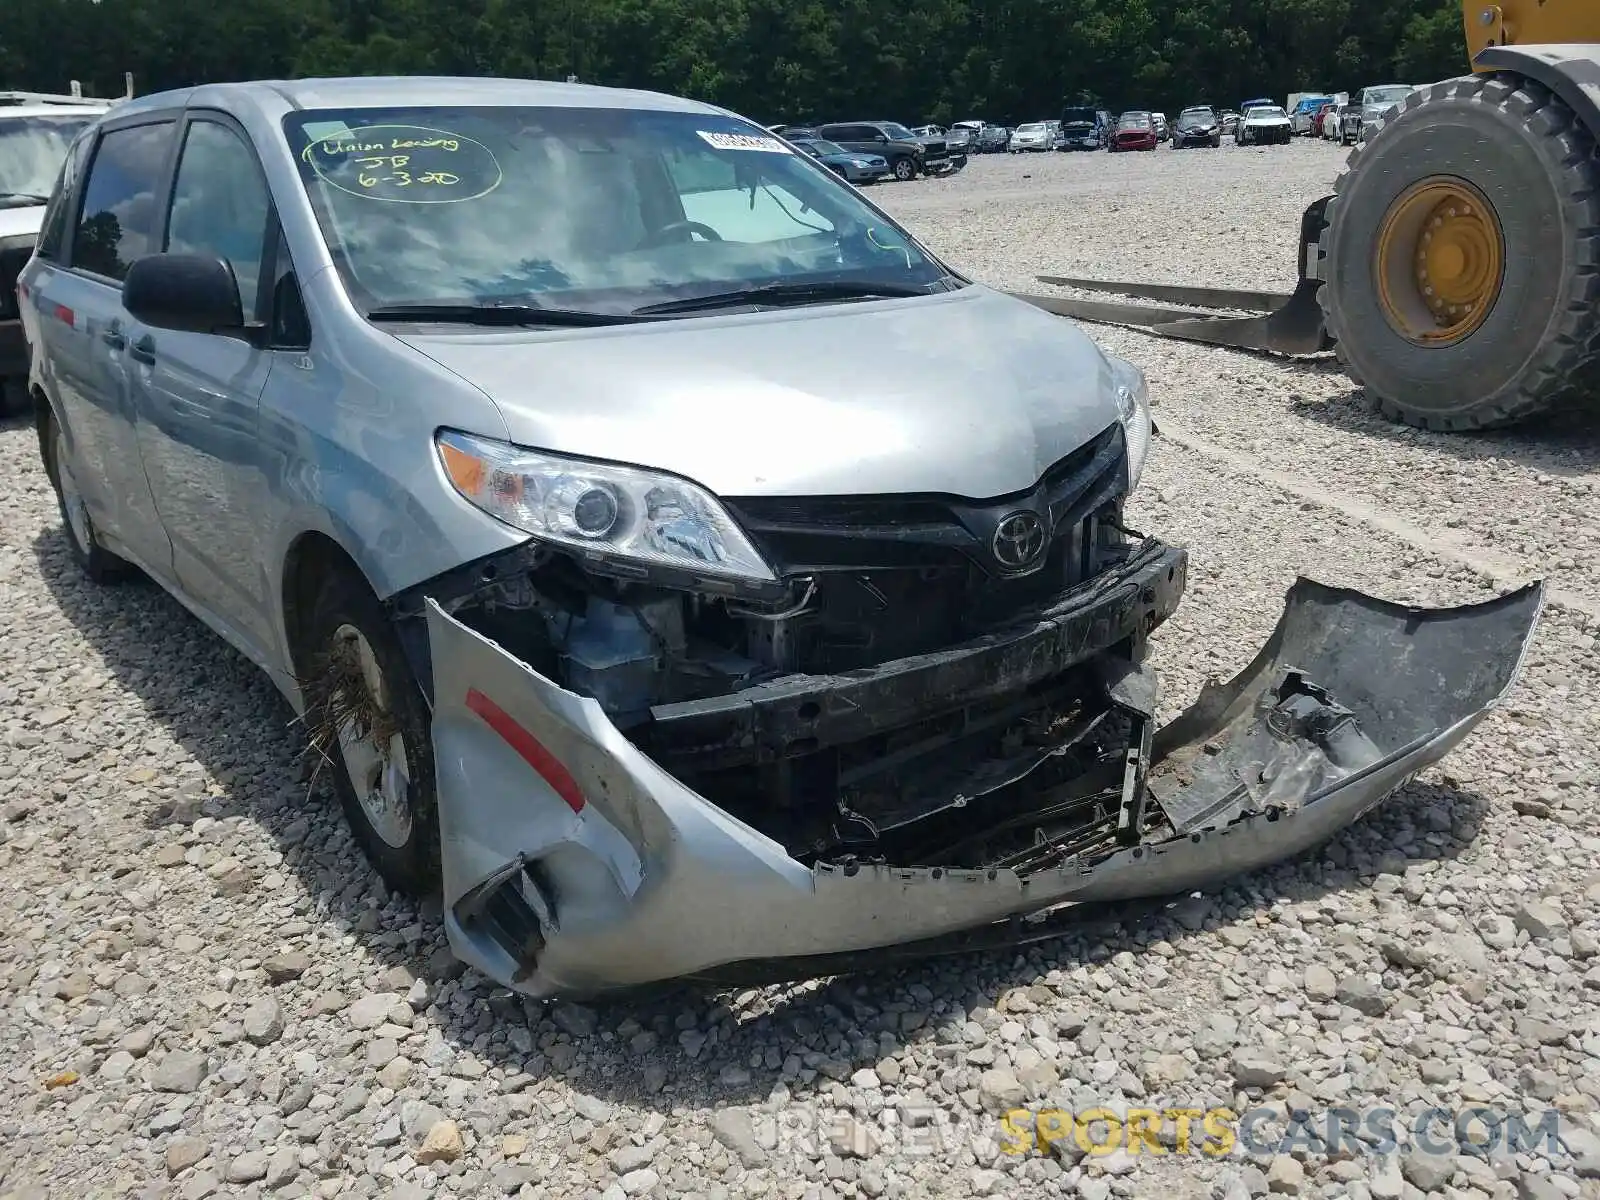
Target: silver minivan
{"x": 680, "y": 563}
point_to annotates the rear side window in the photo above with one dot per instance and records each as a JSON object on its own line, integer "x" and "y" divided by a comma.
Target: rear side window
{"x": 119, "y": 223}
{"x": 53, "y": 232}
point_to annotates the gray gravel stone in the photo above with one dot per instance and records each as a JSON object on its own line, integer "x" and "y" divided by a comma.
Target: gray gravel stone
{"x": 179, "y": 1071}
{"x": 184, "y": 1152}
{"x": 735, "y": 1129}
{"x": 248, "y": 1167}
{"x": 263, "y": 1021}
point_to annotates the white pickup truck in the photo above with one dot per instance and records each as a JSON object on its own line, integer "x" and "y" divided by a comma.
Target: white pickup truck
{"x": 36, "y": 131}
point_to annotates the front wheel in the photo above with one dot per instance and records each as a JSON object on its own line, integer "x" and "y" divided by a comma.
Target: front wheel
{"x": 905, "y": 170}
{"x": 368, "y": 721}
{"x": 1456, "y": 257}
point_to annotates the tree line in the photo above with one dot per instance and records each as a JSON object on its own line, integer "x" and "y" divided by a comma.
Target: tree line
{"x": 771, "y": 60}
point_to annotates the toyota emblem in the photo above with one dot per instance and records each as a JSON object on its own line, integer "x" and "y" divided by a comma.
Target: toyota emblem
{"x": 1020, "y": 541}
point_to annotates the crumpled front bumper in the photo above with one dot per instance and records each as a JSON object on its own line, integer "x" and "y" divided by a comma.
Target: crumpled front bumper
{"x": 573, "y": 864}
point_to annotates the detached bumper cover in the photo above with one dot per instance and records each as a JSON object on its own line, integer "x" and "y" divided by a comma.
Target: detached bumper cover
{"x": 574, "y": 864}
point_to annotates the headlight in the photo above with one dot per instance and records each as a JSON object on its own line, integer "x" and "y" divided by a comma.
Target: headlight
{"x": 616, "y": 512}
{"x": 1133, "y": 409}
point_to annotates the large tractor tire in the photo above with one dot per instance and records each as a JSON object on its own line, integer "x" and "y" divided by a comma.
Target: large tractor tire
{"x": 1461, "y": 260}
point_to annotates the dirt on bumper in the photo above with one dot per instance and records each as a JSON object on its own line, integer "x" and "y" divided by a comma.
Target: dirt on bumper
{"x": 574, "y": 864}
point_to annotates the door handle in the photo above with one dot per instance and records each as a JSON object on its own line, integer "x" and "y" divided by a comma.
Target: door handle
{"x": 113, "y": 338}
{"x": 144, "y": 351}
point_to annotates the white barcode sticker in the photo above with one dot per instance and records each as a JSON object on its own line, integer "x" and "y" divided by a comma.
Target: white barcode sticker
{"x": 743, "y": 141}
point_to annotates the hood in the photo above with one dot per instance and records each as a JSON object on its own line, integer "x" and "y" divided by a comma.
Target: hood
{"x": 1266, "y": 119}
{"x": 27, "y": 219}
{"x": 970, "y": 393}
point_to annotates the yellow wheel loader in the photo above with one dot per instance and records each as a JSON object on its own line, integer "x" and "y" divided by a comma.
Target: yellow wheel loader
{"x": 1455, "y": 270}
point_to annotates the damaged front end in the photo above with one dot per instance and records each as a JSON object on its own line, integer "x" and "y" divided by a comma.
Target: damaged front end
{"x": 899, "y": 741}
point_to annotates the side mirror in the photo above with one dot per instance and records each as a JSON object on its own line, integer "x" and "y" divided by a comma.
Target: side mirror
{"x": 191, "y": 293}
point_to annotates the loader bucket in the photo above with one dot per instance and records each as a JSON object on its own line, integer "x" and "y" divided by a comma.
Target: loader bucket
{"x": 1282, "y": 322}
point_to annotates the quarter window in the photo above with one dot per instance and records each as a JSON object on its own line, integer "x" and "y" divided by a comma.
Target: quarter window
{"x": 54, "y": 228}
{"x": 118, "y": 224}
{"x": 220, "y": 205}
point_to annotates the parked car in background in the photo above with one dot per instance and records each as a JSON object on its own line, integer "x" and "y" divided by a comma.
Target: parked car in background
{"x": 1263, "y": 125}
{"x": 1083, "y": 129}
{"x": 907, "y": 155}
{"x": 959, "y": 138}
{"x": 1304, "y": 110}
{"x": 1374, "y": 104}
{"x": 1229, "y": 121}
{"x": 1058, "y": 140}
{"x": 1196, "y": 126}
{"x": 995, "y": 139}
{"x": 973, "y": 131}
{"x": 35, "y": 135}
{"x": 1159, "y": 120}
{"x": 1033, "y": 135}
{"x": 1333, "y": 122}
{"x": 854, "y": 167}
{"x": 1135, "y": 131}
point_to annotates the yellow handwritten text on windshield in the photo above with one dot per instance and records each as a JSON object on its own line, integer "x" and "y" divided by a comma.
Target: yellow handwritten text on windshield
{"x": 405, "y": 164}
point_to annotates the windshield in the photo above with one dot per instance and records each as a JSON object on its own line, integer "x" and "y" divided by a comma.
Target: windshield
{"x": 1133, "y": 121}
{"x": 1265, "y": 110}
{"x": 1385, "y": 95}
{"x": 32, "y": 150}
{"x": 1032, "y": 127}
{"x": 1078, "y": 116}
{"x": 1192, "y": 117}
{"x": 897, "y": 133}
{"x": 599, "y": 209}
{"x": 821, "y": 147}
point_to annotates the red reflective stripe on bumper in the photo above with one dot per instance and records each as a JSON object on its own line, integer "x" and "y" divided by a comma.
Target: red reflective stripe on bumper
{"x": 528, "y": 747}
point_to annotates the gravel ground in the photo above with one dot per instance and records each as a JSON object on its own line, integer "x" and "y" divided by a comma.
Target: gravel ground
{"x": 205, "y": 990}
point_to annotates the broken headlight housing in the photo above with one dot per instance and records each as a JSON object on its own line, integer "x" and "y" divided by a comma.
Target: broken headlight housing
{"x": 600, "y": 508}
{"x": 1133, "y": 410}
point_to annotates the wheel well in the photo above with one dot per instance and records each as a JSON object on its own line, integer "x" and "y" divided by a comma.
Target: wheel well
{"x": 312, "y": 558}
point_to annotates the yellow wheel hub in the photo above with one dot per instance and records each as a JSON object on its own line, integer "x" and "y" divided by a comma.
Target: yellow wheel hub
{"x": 1440, "y": 260}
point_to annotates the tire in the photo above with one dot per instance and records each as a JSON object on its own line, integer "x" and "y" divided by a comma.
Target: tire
{"x": 1536, "y": 349}
{"x": 405, "y": 852}
{"x": 904, "y": 169}
{"x": 98, "y": 563}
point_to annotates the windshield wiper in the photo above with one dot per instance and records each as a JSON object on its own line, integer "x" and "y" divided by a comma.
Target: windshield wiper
{"x": 783, "y": 293}
{"x": 505, "y": 315}
{"x": 32, "y": 197}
